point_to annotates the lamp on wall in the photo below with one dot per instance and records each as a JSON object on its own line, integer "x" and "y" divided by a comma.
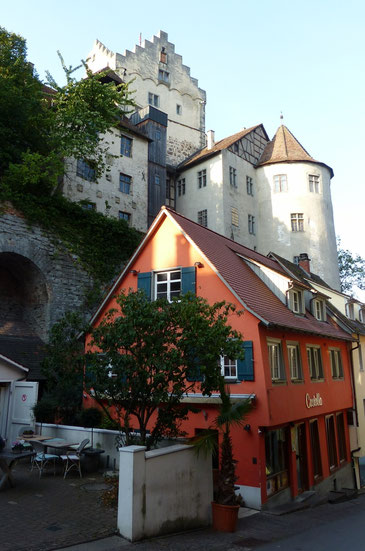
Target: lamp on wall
{"x": 198, "y": 265}
{"x": 247, "y": 427}
{"x": 134, "y": 272}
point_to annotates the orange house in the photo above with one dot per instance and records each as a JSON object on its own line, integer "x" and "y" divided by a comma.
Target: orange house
{"x": 296, "y": 358}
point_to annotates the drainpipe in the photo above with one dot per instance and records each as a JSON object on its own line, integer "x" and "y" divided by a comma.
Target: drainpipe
{"x": 352, "y": 377}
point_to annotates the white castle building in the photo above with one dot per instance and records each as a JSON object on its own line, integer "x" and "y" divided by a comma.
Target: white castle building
{"x": 270, "y": 195}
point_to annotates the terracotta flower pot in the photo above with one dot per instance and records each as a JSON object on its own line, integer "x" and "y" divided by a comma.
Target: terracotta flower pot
{"x": 224, "y": 517}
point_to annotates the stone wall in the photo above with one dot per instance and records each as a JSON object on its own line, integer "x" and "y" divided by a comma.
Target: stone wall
{"x": 39, "y": 280}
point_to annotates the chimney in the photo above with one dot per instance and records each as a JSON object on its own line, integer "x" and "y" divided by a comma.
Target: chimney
{"x": 304, "y": 262}
{"x": 210, "y": 139}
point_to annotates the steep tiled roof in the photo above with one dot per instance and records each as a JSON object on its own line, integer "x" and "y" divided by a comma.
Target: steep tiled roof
{"x": 284, "y": 147}
{"x": 205, "y": 153}
{"x": 297, "y": 270}
{"x": 254, "y": 294}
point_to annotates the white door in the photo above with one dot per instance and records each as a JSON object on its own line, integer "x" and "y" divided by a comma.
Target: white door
{"x": 24, "y": 395}
{"x": 4, "y": 407}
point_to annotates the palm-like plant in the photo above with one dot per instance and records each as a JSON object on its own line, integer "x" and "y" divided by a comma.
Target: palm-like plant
{"x": 230, "y": 414}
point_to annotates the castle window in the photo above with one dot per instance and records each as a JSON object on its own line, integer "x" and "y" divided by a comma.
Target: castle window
{"x": 125, "y": 183}
{"x": 234, "y": 215}
{"x": 313, "y": 183}
{"x": 163, "y": 55}
{"x": 153, "y": 99}
{"x": 85, "y": 170}
{"x": 87, "y": 206}
{"x": 203, "y": 218}
{"x": 233, "y": 176}
{"x": 178, "y": 109}
{"x": 126, "y": 146}
{"x": 181, "y": 187}
{"x": 251, "y": 224}
{"x": 124, "y": 216}
{"x": 249, "y": 185}
{"x": 297, "y": 221}
{"x": 202, "y": 178}
{"x": 164, "y": 76}
{"x": 280, "y": 183}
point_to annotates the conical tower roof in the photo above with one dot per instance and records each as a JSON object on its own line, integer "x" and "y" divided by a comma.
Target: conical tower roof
{"x": 284, "y": 147}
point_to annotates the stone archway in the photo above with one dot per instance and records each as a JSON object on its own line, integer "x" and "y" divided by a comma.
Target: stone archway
{"x": 24, "y": 297}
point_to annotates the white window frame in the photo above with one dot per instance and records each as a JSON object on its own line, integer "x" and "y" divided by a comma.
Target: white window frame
{"x": 296, "y": 301}
{"x": 249, "y": 185}
{"x": 350, "y": 310}
{"x": 153, "y": 99}
{"x": 319, "y": 309}
{"x": 362, "y": 315}
{"x": 315, "y": 363}
{"x": 225, "y": 361}
{"x": 297, "y": 221}
{"x": 202, "y": 178}
{"x": 295, "y": 364}
{"x": 280, "y": 183}
{"x": 276, "y": 362}
{"x": 313, "y": 180}
{"x": 233, "y": 176}
{"x": 336, "y": 363}
{"x": 181, "y": 187}
{"x": 168, "y": 282}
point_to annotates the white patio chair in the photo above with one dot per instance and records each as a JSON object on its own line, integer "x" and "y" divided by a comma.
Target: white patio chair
{"x": 41, "y": 459}
{"x": 73, "y": 458}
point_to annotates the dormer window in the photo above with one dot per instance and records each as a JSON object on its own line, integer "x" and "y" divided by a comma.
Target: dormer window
{"x": 296, "y": 301}
{"x": 319, "y": 309}
{"x": 362, "y": 315}
{"x": 350, "y": 310}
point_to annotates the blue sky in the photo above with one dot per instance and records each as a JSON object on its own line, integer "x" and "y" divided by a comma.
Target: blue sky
{"x": 254, "y": 59}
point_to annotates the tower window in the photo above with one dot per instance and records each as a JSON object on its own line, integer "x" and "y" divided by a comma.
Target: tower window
{"x": 313, "y": 183}
{"x": 297, "y": 221}
{"x": 153, "y": 99}
{"x": 233, "y": 176}
{"x": 178, "y": 109}
{"x": 202, "y": 178}
{"x": 249, "y": 185}
{"x": 251, "y": 224}
{"x": 280, "y": 183}
{"x": 163, "y": 75}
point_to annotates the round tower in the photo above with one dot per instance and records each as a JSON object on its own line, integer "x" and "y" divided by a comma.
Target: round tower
{"x": 295, "y": 206}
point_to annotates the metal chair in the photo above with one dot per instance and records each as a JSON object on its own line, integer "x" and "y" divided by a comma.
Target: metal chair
{"x": 73, "y": 458}
{"x": 41, "y": 459}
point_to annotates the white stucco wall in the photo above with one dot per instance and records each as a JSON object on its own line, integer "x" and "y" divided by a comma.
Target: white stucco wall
{"x": 318, "y": 238}
{"x": 105, "y": 192}
{"x": 163, "y": 491}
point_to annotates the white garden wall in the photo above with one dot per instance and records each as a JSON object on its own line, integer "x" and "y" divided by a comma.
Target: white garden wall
{"x": 163, "y": 491}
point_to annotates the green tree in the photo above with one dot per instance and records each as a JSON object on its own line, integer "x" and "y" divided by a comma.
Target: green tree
{"x": 149, "y": 355}
{"x": 352, "y": 269}
{"x": 63, "y": 366}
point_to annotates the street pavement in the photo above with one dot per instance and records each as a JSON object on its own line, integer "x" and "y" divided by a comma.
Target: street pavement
{"x": 50, "y": 513}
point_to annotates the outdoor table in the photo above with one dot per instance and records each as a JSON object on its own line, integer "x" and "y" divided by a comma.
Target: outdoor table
{"x": 34, "y": 438}
{"x": 57, "y": 443}
{"x": 7, "y": 461}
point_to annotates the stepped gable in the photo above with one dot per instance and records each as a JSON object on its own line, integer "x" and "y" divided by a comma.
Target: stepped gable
{"x": 285, "y": 148}
{"x": 205, "y": 153}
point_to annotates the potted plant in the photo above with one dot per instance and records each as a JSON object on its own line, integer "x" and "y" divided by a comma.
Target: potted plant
{"x": 226, "y": 502}
{"x": 17, "y": 446}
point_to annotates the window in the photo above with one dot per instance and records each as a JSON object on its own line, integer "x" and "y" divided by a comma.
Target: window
{"x": 157, "y": 180}
{"x": 350, "y": 310}
{"x": 181, "y": 187}
{"x": 249, "y": 185}
{"x": 153, "y": 99}
{"x": 203, "y": 218}
{"x": 341, "y": 439}
{"x": 85, "y": 170}
{"x": 315, "y": 362}
{"x": 125, "y": 183}
{"x": 336, "y": 363}
{"x": 316, "y": 449}
{"x": 178, "y": 109}
{"x": 228, "y": 367}
{"x": 297, "y": 221}
{"x": 234, "y": 216}
{"x": 125, "y": 216}
{"x": 233, "y": 176}
{"x": 202, "y": 178}
{"x": 280, "y": 183}
{"x": 276, "y": 361}
{"x": 168, "y": 284}
{"x": 319, "y": 309}
{"x": 331, "y": 442}
{"x": 163, "y": 55}
{"x": 163, "y": 75}
{"x": 88, "y": 206}
{"x": 362, "y": 315}
{"x": 294, "y": 362}
{"x": 126, "y": 146}
{"x": 276, "y": 452}
{"x": 170, "y": 192}
{"x": 296, "y": 301}
{"x": 313, "y": 183}
{"x": 251, "y": 224}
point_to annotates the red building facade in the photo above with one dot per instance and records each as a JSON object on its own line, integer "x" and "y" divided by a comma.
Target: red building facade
{"x": 296, "y": 364}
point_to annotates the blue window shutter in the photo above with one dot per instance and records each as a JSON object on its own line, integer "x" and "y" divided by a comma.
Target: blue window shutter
{"x": 188, "y": 280}
{"x": 144, "y": 283}
{"x": 245, "y": 369}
